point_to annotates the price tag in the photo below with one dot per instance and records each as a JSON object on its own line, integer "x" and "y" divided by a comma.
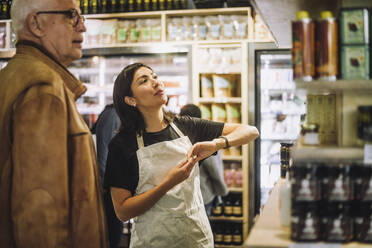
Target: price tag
{"x": 368, "y": 153}
{"x": 314, "y": 245}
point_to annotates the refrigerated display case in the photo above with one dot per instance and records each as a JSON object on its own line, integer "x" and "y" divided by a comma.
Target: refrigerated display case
{"x": 98, "y": 73}
{"x": 279, "y": 111}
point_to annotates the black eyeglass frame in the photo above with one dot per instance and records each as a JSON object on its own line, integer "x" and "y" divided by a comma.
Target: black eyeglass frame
{"x": 70, "y": 13}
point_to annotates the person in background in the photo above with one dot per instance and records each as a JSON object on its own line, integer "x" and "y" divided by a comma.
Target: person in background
{"x": 105, "y": 128}
{"x": 151, "y": 170}
{"x": 212, "y": 183}
{"x": 49, "y": 186}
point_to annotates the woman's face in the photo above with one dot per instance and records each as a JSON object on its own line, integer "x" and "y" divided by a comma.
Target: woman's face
{"x": 148, "y": 91}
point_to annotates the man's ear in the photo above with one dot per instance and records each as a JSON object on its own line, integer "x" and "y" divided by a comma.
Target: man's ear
{"x": 33, "y": 25}
{"x": 130, "y": 101}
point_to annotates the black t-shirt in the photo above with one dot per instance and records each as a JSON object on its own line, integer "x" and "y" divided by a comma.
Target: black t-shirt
{"x": 122, "y": 164}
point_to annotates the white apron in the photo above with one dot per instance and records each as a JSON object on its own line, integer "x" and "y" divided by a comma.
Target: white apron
{"x": 178, "y": 219}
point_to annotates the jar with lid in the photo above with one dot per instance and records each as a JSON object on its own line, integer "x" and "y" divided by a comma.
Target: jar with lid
{"x": 338, "y": 222}
{"x": 337, "y": 185}
{"x": 309, "y": 134}
{"x": 362, "y": 177}
{"x": 306, "y": 181}
{"x": 305, "y": 222}
{"x": 363, "y": 221}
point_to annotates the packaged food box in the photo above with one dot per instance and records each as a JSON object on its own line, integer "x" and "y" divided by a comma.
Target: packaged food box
{"x": 355, "y": 62}
{"x": 218, "y": 112}
{"x": 206, "y": 112}
{"x": 354, "y": 26}
{"x": 206, "y": 85}
{"x": 233, "y": 113}
{"x": 224, "y": 85}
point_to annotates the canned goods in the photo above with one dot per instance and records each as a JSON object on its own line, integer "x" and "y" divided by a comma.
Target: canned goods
{"x": 326, "y": 49}
{"x": 303, "y": 60}
{"x": 354, "y": 26}
{"x": 305, "y": 222}
{"x": 338, "y": 223}
{"x": 355, "y": 63}
{"x": 337, "y": 185}
{"x": 306, "y": 182}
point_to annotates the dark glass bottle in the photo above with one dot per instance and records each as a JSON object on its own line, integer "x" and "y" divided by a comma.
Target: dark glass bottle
{"x": 146, "y": 5}
{"x": 228, "y": 211}
{"x": 218, "y": 234}
{"x": 84, "y": 6}
{"x": 4, "y": 10}
{"x": 227, "y": 234}
{"x": 154, "y": 5}
{"x": 237, "y": 208}
{"x": 237, "y": 237}
{"x": 121, "y": 6}
{"x": 104, "y": 6}
{"x": 93, "y": 7}
{"x": 139, "y": 5}
{"x": 114, "y": 6}
{"x": 218, "y": 207}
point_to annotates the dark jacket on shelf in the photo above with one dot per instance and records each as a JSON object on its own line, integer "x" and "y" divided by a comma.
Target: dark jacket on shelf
{"x": 50, "y": 193}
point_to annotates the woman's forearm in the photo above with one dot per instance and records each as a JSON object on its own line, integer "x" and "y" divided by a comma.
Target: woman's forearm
{"x": 238, "y": 134}
{"x": 139, "y": 204}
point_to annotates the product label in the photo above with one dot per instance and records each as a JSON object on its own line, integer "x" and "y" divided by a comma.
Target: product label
{"x": 228, "y": 30}
{"x": 202, "y": 31}
{"x": 242, "y": 30}
{"x": 122, "y": 35}
{"x": 355, "y": 62}
{"x": 215, "y": 31}
{"x": 146, "y": 34}
{"x": 352, "y": 26}
{"x": 156, "y": 33}
{"x": 368, "y": 155}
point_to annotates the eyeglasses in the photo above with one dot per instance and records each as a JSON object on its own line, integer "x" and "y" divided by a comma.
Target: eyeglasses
{"x": 73, "y": 14}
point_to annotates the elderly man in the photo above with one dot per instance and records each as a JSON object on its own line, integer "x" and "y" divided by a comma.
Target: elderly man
{"x": 49, "y": 186}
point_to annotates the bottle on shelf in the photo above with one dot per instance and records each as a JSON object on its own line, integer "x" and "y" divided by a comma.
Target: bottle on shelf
{"x": 218, "y": 233}
{"x": 228, "y": 208}
{"x": 237, "y": 206}
{"x": 93, "y": 7}
{"x": 218, "y": 207}
{"x": 237, "y": 237}
{"x": 227, "y": 234}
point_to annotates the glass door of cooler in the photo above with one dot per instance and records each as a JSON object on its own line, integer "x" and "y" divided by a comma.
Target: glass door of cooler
{"x": 278, "y": 115}
{"x": 98, "y": 73}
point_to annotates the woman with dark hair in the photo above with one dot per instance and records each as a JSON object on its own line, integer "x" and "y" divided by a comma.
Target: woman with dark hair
{"x": 151, "y": 170}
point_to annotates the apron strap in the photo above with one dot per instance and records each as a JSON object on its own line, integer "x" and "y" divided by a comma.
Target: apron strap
{"x": 176, "y": 129}
{"x": 140, "y": 138}
{"x": 140, "y": 141}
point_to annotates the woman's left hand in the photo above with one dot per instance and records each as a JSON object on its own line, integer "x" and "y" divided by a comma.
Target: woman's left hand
{"x": 202, "y": 150}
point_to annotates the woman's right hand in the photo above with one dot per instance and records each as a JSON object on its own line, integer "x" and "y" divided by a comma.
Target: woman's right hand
{"x": 180, "y": 172}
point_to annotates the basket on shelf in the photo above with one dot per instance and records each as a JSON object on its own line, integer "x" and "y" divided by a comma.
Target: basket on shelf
{"x": 201, "y": 4}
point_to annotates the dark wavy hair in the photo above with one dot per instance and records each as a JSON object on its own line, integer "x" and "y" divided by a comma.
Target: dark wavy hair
{"x": 130, "y": 117}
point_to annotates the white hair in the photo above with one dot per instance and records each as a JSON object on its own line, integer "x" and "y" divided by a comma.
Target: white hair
{"x": 21, "y": 9}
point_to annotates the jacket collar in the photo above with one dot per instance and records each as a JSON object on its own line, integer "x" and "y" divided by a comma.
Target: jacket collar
{"x": 30, "y": 48}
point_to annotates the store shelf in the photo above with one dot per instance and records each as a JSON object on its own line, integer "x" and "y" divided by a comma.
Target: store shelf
{"x": 7, "y": 53}
{"x": 235, "y": 190}
{"x": 227, "y": 218}
{"x": 268, "y": 233}
{"x": 228, "y": 246}
{"x": 232, "y": 158}
{"x": 324, "y": 86}
{"x": 331, "y": 154}
{"x": 221, "y": 100}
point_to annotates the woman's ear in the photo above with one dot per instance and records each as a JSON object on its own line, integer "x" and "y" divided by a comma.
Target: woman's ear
{"x": 130, "y": 101}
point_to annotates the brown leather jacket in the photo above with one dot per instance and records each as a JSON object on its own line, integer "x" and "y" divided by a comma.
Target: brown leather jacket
{"x": 49, "y": 189}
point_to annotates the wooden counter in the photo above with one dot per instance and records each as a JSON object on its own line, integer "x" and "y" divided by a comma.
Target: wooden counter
{"x": 268, "y": 233}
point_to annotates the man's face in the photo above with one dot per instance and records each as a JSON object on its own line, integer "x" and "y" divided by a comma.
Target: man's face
{"x": 61, "y": 38}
